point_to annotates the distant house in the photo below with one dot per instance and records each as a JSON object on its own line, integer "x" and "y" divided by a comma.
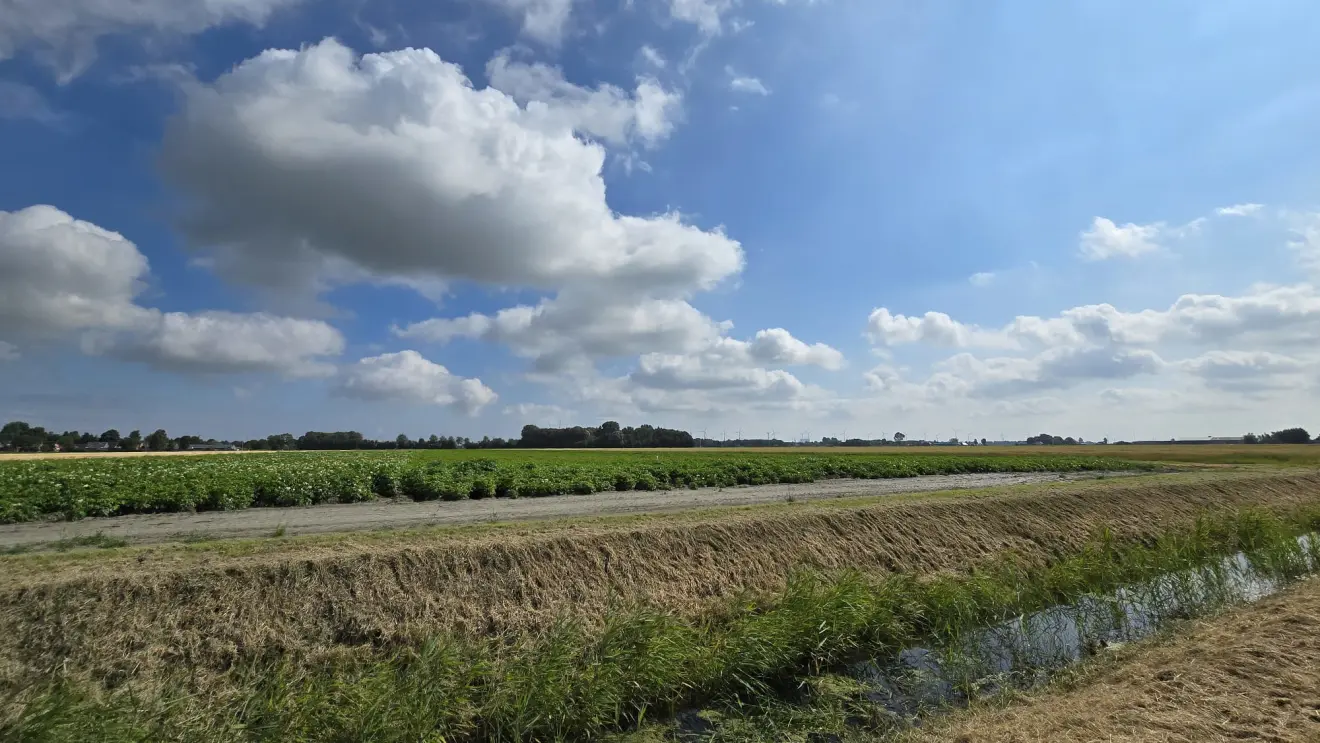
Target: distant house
{"x": 1210, "y": 440}
{"x": 212, "y": 447}
{"x": 97, "y": 446}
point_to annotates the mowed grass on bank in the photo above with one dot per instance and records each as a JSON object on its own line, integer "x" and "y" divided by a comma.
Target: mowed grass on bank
{"x": 579, "y": 681}
{"x": 137, "y": 615}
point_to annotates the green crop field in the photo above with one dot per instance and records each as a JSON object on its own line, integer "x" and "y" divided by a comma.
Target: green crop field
{"x": 75, "y": 488}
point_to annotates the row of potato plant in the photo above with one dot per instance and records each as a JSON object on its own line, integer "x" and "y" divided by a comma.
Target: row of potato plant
{"x": 76, "y": 488}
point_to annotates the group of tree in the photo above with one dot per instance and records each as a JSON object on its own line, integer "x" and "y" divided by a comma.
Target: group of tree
{"x": 24, "y": 437}
{"x": 608, "y": 435}
{"x": 341, "y": 440}
{"x": 1285, "y": 436}
{"x": 1046, "y": 439}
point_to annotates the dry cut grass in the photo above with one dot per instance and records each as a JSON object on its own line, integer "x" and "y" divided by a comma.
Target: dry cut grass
{"x": 1253, "y": 674}
{"x": 135, "y": 621}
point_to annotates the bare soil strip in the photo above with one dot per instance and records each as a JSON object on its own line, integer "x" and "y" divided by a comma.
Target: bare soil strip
{"x": 135, "y": 614}
{"x": 262, "y": 522}
{"x": 1253, "y": 674}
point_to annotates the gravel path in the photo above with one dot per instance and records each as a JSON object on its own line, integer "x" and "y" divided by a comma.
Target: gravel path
{"x": 262, "y": 522}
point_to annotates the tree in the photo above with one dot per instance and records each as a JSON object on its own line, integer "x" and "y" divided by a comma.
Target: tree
{"x": 984, "y": 442}
{"x": 11, "y": 431}
{"x": 110, "y": 437}
{"x": 280, "y": 441}
{"x": 158, "y": 440}
{"x": 900, "y": 437}
{"x": 133, "y": 442}
{"x": 183, "y": 442}
{"x": 609, "y": 435}
{"x": 1290, "y": 436}
{"x": 401, "y": 441}
{"x": 1251, "y": 438}
{"x": 22, "y": 436}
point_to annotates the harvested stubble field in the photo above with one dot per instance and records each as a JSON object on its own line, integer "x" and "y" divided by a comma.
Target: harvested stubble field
{"x": 152, "y": 618}
{"x": 1253, "y": 674}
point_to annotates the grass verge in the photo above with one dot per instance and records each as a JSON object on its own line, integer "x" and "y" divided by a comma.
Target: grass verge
{"x": 136, "y": 616}
{"x": 94, "y": 541}
{"x": 578, "y": 682}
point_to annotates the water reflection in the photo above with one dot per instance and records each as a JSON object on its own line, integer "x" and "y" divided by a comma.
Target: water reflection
{"x": 1025, "y": 651}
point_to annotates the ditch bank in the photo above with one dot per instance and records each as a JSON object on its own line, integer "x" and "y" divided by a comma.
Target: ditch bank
{"x": 140, "y": 616}
{"x": 1251, "y": 674}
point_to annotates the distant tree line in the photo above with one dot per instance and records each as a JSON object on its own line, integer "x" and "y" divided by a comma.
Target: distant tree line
{"x": 21, "y": 436}
{"x": 1285, "y": 436}
{"x": 341, "y": 440}
{"x": 1046, "y": 439}
{"x": 608, "y": 435}
{"x": 24, "y": 437}
{"x": 18, "y": 435}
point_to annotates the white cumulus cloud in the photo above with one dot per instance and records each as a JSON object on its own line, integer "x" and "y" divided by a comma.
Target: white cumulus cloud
{"x": 543, "y": 20}
{"x": 606, "y": 112}
{"x": 227, "y": 343}
{"x": 62, "y": 277}
{"x": 300, "y": 163}
{"x": 1105, "y": 240}
{"x": 937, "y": 328}
{"x": 409, "y": 377}
{"x": 59, "y": 274}
{"x": 65, "y": 32}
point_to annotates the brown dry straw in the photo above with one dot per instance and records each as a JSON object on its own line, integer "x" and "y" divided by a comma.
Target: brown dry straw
{"x": 122, "y": 620}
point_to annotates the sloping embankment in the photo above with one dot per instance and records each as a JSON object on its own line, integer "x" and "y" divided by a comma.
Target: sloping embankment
{"x": 1253, "y": 674}
{"x": 130, "y": 618}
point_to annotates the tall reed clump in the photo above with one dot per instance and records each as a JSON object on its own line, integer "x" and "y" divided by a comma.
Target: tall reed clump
{"x": 572, "y": 684}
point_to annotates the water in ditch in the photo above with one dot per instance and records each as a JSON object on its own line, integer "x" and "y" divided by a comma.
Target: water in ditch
{"x": 1027, "y": 650}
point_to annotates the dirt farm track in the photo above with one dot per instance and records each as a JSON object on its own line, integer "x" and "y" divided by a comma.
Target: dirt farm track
{"x": 385, "y": 514}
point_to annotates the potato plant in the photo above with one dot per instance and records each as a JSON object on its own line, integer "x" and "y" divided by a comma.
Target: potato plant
{"x": 77, "y": 488}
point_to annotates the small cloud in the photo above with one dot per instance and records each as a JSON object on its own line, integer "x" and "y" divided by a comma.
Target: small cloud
{"x": 1108, "y": 240}
{"x": 1239, "y": 210}
{"x": 8, "y": 351}
{"x": 653, "y": 56}
{"x": 745, "y": 84}
{"x": 539, "y": 414}
{"x": 738, "y": 25}
{"x": 981, "y": 278}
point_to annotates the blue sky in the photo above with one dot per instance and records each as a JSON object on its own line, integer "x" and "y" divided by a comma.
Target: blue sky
{"x": 239, "y": 217}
